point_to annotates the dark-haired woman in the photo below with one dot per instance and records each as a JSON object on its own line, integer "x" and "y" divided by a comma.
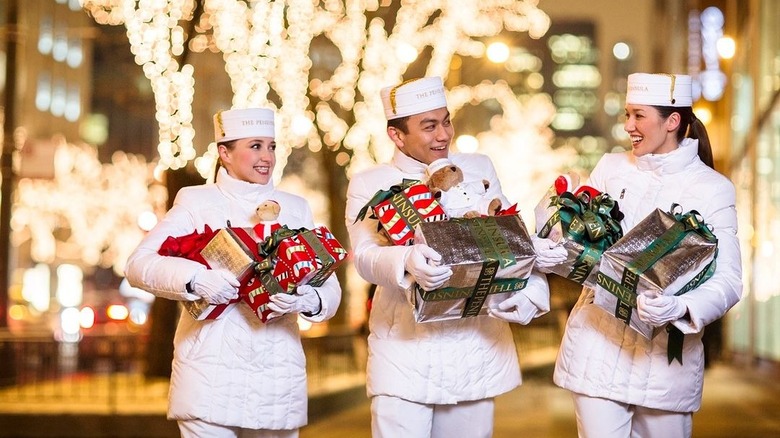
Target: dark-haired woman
{"x": 622, "y": 384}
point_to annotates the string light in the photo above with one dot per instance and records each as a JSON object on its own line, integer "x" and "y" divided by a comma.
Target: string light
{"x": 266, "y": 47}
{"x": 96, "y": 205}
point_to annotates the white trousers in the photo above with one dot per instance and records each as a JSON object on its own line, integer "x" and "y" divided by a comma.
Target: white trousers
{"x": 393, "y": 417}
{"x": 602, "y": 418}
{"x": 202, "y": 429}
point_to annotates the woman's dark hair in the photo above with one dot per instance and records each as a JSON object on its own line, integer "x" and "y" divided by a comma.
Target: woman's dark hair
{"x": 690, "y": 127}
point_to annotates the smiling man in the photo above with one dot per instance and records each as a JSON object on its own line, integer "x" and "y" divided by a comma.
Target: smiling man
{"x": 436, "y": 379}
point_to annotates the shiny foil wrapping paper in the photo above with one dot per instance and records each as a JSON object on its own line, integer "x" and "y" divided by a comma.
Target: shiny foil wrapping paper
{"x": 226, "y": 250}
{"x": 467, "y": 245}
{"x": 670, "y": 274}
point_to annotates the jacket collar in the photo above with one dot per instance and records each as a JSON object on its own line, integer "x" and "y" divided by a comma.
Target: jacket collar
{"x": 670, "y": 162}
{"x": 241, "y": 189}
{"x": 408, "y": 165}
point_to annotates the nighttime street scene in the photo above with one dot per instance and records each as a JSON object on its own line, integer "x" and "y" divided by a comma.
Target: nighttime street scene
{"x": 389, "y": 218}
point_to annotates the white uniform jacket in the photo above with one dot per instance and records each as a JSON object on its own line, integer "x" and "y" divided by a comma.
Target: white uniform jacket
{"x": 442, "y": 362}
{"x": 235, "y": 370}
{"x": 600, "y": 356}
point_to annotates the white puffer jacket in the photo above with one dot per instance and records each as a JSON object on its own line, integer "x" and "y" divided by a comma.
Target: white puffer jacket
{"x": 443, "y": 362}
{"x": 601, "y": 356}
{"x": 235, "y": 370}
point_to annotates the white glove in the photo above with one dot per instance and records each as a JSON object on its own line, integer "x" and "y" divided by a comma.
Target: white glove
{"x": 422, "y": 262}
{"x": 305, "y": 300}
{"x": 517, "y": 308}
{"x": 548, "y": 252}
{"x": 216, "y": 286}
{"x": 659, "y": 310}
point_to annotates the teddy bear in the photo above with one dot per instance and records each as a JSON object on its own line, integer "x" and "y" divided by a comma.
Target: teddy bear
{"x": 458, "y": 198}
{"x": 268, "y": 214}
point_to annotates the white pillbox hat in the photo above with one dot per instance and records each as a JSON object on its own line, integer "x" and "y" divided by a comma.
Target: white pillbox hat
{"x": 243, "y": 123}
{"x": 659, "y": 90}
{"x": 413, "y": 97}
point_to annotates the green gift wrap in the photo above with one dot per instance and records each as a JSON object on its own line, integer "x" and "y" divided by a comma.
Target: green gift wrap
{"x": 491, "y": 258}
{"x": 585, "y": 226}
{"x": 665, "y": 254}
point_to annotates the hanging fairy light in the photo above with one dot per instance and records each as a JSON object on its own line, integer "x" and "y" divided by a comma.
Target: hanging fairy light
{"x": 156, "y": 38}
{"x": 266, "y": 47}
{"x": 92, "y": 208}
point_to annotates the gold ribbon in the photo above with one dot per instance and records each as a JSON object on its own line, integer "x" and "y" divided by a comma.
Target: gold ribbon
{"x": 395, "y": 89}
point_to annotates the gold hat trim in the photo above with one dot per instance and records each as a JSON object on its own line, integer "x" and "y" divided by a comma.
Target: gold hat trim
{"x": 393, "y": 91}
{"x": 219, "y": 123}
{"x": 671, "y": 87}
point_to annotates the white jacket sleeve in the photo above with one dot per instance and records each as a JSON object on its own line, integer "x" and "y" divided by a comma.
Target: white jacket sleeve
{"x": 377, "y": 264}
{"x": 165, "y": 276}
{"x": 723, "y": 290}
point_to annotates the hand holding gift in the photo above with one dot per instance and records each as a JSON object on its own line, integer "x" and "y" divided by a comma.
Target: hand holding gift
{"x": 518, "y": 308}
{"x": 583, "y": 221}
{"x": 549, "y": 253}
{"x": 660, "y": 309}
{"x": 422, "y": 262}
{"x": 217, "y": 286}
{"x": 306, "y": 301}
{"x": 486, "y": 260}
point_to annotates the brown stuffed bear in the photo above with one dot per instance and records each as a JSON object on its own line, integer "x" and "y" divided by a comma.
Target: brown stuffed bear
{"x": 459, "y": 199}
{"x": 268, "y": 214}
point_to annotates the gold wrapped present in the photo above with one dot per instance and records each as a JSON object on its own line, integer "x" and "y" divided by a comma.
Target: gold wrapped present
{"x": 491, "y": 257}
{"x": 227, "y": 250}
{"x": 664, "y": 254}
{"x": 230, "y": 249}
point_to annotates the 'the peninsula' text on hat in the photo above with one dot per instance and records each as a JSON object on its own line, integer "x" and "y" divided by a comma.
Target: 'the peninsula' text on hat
{"x": 243, "y": 123}
{"x": 659, "y": 90}
{"x": 414, "y": 96}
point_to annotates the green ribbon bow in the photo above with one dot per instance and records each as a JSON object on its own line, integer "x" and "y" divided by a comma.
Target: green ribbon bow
{"x": 592, "y": 222}
{"x": 383, "y": 195}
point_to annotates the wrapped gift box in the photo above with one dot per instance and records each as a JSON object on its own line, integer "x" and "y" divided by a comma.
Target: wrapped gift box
{"x": 232, "y": 249}
{"x": 490, "y": 257}
{"x": 306, "y": 257}
{"x": 664, "y": 254}
{"x": 258, "y": 290}
{"x": 585, "y": 225}
{"x": 406, "y": 206}
{"x": 291, "y": 258}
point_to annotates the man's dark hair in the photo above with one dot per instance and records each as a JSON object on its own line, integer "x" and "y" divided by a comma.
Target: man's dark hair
{"x": 400, "y": 124}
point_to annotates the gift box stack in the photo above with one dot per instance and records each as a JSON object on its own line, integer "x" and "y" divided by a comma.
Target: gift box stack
{"x": 402, "y": 207}
{"x": 664, "y": 254}
{"x": 293, "y": 258}
{"x": 585, "y": 221}
{"x": 286, "y": 259}
{"x": 490, "y": 257}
